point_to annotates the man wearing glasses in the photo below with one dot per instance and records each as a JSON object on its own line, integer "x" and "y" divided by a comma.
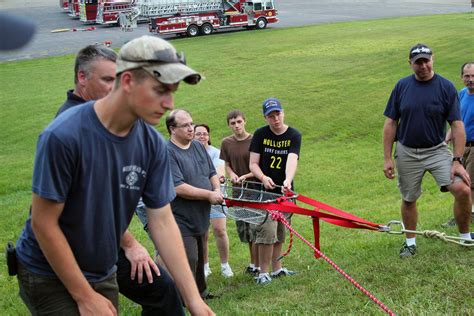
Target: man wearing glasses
{"x": 93, "y": 163}
{"x": 197, "y": 187}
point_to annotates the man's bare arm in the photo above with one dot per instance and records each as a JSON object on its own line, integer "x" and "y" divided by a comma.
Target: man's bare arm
{"x": 257, "y": 171}
{"x": 389, "y": 133}
{"x": 291, "y": 165}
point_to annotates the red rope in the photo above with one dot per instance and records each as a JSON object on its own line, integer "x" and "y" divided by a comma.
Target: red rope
{"x": 290, "y": 245}
{"x": 279, "y": 217}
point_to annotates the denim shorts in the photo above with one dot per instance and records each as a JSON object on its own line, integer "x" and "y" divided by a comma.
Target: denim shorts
{"x": 217, "y": 211}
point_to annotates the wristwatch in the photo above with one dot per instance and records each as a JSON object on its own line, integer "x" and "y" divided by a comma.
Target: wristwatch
{"x": 459, "y": 159}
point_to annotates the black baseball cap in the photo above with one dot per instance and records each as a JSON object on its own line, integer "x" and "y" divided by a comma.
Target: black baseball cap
{"x": 15, "y": 31}
{"x": 420, "y": 51}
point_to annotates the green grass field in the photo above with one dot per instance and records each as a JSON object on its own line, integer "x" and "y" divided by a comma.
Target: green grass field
{"x": 334, "y": 81}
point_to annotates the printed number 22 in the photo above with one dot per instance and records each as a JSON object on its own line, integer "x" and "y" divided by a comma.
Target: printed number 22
{"x": 276, "y": 162}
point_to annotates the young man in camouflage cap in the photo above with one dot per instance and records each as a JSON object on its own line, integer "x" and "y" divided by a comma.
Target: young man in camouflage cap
{"x": 92, "y": 165}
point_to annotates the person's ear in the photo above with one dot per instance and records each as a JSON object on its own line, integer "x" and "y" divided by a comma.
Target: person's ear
{"x": 82, "y": 77}
{"x": 126, "y": 81}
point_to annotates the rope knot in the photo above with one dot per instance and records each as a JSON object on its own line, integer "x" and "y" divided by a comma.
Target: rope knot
{"x": 434, "y": 234}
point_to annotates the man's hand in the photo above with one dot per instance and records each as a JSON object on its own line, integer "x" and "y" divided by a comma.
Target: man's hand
{"x": 200, "y": 308}
{"x": 457, "y": 169}
{"x": 222, "y": 179}
{"x": 216, "y": 197}
{"x": 96, "y": 304}
{"x": 268, "y": 183}
{"x": 241, "y": 179}
{"x": 389, "y": 169}
{"x": 140, "y": 261}
{"x": 234, "y": 178}
{"x": 286, "y": 186}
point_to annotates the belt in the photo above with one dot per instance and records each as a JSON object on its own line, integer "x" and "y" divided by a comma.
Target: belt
{"x": 470, "y": 144}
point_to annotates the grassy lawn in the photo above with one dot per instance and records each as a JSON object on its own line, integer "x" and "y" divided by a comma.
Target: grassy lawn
{"x": 334, "y": 81}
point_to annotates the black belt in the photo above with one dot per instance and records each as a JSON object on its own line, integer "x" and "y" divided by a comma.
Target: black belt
{"x": 469, "y": 144}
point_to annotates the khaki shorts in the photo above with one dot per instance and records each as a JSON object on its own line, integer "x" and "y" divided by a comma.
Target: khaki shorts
{"x": 412, "y": 163}
{"x": 245, "y": 231}
{"x": 269, "y": 232}
{"x": 469, "y": 163}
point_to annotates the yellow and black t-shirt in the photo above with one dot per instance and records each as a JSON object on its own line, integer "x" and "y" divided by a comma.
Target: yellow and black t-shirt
{"x": 274, "y": 150}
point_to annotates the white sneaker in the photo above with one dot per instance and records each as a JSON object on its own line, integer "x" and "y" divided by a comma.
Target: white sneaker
{"x": 263, "y": 279}
{"x": 207, "y": 271}
{"x": 226, "y": 271}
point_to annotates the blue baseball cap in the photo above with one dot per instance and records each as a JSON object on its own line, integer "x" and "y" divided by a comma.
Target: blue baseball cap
{"x": 270, "y": 105}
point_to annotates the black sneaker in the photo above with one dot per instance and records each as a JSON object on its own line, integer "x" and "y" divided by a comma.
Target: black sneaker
{"x": 210, "y": 296}
{"x": 252, "y": 271}
{"x": 283, "y": 272}
{"x": 407, "y": 251}
{"x": 450, "y": 223}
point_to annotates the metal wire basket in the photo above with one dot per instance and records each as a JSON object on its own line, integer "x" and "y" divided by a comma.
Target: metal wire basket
{"x": 252, "y": 192}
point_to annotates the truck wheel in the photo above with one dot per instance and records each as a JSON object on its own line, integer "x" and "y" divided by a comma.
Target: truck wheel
{"x": 192, "y": 30}
{"x": 206, "y": 29}
{"x": 261, "y": 24}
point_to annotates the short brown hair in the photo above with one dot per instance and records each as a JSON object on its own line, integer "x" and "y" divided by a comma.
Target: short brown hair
{"x": 139, "y": 74}
{"x": 234, "y": 114}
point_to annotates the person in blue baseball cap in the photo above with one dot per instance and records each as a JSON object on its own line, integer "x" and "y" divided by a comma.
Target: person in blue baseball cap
{"x": 16, "y": 31}
{"x": 274, "y": 154}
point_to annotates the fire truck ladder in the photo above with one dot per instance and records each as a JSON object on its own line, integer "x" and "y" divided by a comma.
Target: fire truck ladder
{"x": 151, "y": 8}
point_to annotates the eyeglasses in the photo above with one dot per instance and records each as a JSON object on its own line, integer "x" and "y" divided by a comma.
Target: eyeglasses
{"x": 187, "y": 125}
{"x": 199, "y": 134}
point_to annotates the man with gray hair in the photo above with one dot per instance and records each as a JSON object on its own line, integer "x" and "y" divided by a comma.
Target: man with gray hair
{"x": 94, "y": 75}
{"x": 92, "y": 165}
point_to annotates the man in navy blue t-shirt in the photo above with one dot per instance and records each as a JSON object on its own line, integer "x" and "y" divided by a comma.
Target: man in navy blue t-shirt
{"x": 417, "y": 112}
{"x": 93, "y": 163}
{"x": 138, "y": 276}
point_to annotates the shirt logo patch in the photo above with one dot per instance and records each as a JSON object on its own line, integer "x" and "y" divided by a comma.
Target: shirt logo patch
{"x": 132, "y": 177}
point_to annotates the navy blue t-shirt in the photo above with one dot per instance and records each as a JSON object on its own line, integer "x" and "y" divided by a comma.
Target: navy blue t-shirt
{"x": 100, "y": 177}
{"x": 422, "y": 109}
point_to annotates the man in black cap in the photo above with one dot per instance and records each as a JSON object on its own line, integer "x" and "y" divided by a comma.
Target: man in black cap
{"x": 417, "y": 112}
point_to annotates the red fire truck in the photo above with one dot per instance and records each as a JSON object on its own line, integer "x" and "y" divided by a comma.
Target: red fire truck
{"x": 108, "y": 11}
{"x": 73, "y": 8}
{"x": 192, "y": 20}
{"x": 63, "y": 4}
{"x": 88, "y": 10}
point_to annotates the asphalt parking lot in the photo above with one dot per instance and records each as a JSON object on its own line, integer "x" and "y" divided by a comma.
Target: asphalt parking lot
{"x": 49, "y": 16}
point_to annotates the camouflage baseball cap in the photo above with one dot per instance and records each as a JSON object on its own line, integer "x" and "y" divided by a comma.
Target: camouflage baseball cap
{"x": 158, "y": 57}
